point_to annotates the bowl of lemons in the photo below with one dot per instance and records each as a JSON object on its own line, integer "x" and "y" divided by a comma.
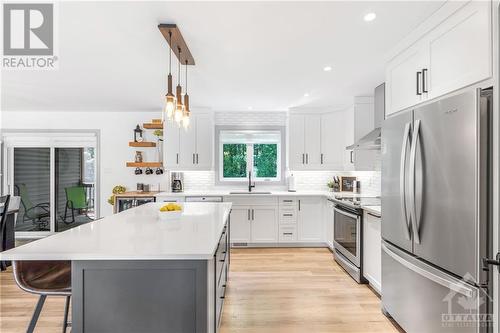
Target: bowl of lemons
{"x": 170, "y": 211}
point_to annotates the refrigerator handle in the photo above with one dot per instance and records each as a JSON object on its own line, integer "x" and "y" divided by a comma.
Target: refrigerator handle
{"x": 413, "y": 156}
{"x": 457, "y": 286}
{"x": 402, "y": 177}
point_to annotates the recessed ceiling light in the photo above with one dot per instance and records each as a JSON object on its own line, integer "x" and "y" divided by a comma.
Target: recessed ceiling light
{"x": 370, "y": 17}
{"x": 250, "y": 108}
{"x": 306, "y": 95}
{"x": 327, "y": 68}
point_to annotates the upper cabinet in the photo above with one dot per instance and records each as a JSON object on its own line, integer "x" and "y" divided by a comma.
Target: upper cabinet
{"x": 316, "y": 141}
{"x": 189, "y": 149}
{"x": 453, "y": 55}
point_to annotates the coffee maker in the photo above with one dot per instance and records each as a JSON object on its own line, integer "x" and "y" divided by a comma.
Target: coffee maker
{"x": 177, "y": 182}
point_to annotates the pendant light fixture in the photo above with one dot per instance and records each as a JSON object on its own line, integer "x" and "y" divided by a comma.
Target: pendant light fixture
{"x": 187, "y": 112}
{"x": 179, "y": 109}
{"x": 170, "y": 98}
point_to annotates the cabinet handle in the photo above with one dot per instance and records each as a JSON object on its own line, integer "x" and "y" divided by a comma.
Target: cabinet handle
{"x": 303, "y": 158}
{"x": 177, "y": 158}
{"x": 424, "y": 79}
{"x": 299, "y": 204}
{"x": 287, "y": 200}
{"x": 222, "y": 297}
{"x": 252, "y": 214}
{"x": 193, "y": 158}
{"x": 419, "y": 74}
{"x": 249, "y": 215}
{"x": 373, "y": 215}
{"x": 197, "y": 158}
{"x": 307, "y": 158}
{"x": 321, "y": 158}
{"x": 288, "y": 233}
{"x": 288, "y": 215}
{"x": 351, "y": 158}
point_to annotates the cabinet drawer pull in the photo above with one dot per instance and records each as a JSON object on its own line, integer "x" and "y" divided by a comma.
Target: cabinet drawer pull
{"x": 287, "y": 200}
{"x": 197, "y": 162}
{"x": 371, "y": 214}
{"x": 222, "y": 260}
{"x": 288, "y": 233}
{"x": 419, "y": 74}
{"x": 222, "y": 297}
{"x": 303, "y": 158}
{"x": 424, "y": 79}
{"x": 321, "y": 158}
{"x": 290, "y": 215}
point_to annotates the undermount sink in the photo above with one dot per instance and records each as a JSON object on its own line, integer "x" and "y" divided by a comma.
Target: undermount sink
{"x": 246, "y": 192}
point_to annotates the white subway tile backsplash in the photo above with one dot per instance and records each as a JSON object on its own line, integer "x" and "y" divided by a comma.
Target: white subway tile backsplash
{"x": 250, "y": 118}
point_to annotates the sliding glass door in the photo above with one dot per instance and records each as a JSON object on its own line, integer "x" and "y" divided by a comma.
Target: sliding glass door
{"x": 55, "y": 175}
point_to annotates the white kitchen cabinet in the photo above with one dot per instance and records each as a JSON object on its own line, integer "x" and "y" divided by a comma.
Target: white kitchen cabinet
{"x": 264, "y": 226}
{"x": 296, "y": 131}
{"x": 316, "y": 141}
{"x": 171, "y": 146}
{"x": 372, "y": 250}
{"x": 332, "y": 141}
{"x": 310, "y": 219}
{"x": 312, "y": 139}
{"x": 348, "y": 124}
{"x": 455, "y": 63}
{"x": 191, "y": 148}
{"x": 329, "y": 216}
{"x": 441, "y": 61}
{"x": 240, "y": 224}
{"x": 403, "y": 87}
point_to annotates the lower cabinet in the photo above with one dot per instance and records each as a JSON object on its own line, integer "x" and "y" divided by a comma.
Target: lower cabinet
{"x": 372, "y": 250}
{"x": 221, "y": 271}
{"x": 310, "y": 219}
{"x": 254, "y": 224}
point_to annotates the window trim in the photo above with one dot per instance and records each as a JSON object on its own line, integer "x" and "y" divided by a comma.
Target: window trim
{"x": 280, "y": 180}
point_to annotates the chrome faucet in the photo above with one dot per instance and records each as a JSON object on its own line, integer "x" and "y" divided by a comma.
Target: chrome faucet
{"x": 250, "y": 185}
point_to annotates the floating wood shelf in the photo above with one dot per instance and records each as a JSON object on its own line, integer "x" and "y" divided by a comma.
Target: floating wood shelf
{"x": 153, "y": 125}
{"x": 144, "y": 165}
{"x": 142, "y": 144}
{"x": 177, "y": 42}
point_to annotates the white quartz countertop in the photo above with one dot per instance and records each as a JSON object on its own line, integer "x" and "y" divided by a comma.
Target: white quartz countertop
{"x": 375, "y": 210}
{"x": 135, "y": 234}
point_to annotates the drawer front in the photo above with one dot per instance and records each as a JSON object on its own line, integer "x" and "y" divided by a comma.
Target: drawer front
{"x": 289, "y": 202}
{"x": 251, "y": 199}
{"x": 160, "y": 198}
{"x": 288, "y": 234}
{"x": 288, "y": 216}
{"x": 221, "y": 255}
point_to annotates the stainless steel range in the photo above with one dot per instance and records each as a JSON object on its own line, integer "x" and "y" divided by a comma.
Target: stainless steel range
{"x": 348, "y": 233}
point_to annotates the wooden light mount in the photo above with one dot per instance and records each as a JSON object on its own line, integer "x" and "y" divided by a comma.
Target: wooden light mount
{"x": 177, "y": 42}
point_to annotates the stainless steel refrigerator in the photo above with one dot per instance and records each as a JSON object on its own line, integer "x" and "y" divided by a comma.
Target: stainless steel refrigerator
{"x": 436, "y": 214}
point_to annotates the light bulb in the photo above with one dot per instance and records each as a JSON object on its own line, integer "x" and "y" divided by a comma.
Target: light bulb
{"x": 178, "y": 114}
{"x": 185, "y": 121}
{"x": 170, "y": 107}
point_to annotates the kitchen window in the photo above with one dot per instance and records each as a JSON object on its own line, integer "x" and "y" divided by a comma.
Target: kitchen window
{"x": 244, "y": 151}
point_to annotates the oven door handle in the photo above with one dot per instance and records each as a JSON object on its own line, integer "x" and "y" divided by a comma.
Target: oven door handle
{"x": 343, "y": 212}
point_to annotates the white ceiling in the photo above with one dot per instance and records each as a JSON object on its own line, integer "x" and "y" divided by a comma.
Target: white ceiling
{"x": 263, "y": 55}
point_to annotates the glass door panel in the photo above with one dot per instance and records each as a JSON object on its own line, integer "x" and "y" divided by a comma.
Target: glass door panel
{"x": 32, "y": 184}
{"x": 74, "y": 187}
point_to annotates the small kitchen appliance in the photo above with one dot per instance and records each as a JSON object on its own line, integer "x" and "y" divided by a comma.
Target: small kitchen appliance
{"x": 177, "y": 181}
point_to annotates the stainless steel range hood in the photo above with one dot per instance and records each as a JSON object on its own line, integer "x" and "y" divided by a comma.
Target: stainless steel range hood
{"x": 371, "y": 141}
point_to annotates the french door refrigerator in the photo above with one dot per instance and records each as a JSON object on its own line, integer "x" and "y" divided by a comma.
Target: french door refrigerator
{"x": 435, "y": 215}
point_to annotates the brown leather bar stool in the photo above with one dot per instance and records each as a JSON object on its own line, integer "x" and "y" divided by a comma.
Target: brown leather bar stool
{"x": 44, "y": 278}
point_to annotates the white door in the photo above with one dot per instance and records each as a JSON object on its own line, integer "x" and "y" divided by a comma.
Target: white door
{"x": 264, "y": 224}
{"x": 310, "y": 219}
{"x": 329, "y": 216}
{"x": 187, "y": 146}
{"x": 332, "y": 141}
{"x": 240, "y": 224}
{"x": 402, "y": 76}
{"x": 372, "y": 251}
{"x": 455, "y": 63}
{"x": 204, "y": 141}
{"x": 296, "y": 135}
{"x": 170, "y": 144}
{"x": 312, "y": 141}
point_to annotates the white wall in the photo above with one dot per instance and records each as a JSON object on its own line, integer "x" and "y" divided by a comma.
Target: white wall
{"x": 116, "y": 130}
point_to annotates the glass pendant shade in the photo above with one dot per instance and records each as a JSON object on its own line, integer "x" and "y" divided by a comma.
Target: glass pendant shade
{"x": 179, "y": 112}
{"x": 170, "y": 99}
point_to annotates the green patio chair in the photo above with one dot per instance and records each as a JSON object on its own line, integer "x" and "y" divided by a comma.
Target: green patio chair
{"x": 38, "y": 214}
{"x": 76, "y": 199}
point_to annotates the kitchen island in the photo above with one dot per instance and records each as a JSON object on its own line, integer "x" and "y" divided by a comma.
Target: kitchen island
{"x": 132, "y": 272}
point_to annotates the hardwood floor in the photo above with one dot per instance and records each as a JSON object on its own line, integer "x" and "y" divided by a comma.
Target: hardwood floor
{"x": 269, "y": 291}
